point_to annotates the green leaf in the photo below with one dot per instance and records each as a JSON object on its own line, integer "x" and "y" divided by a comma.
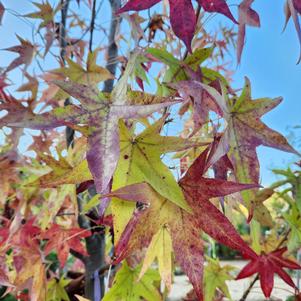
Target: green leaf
{"x": 215, "y": 277}
{"x": 294, "y": 221}
{"x": 127, "y": 288}
{"x": 56, "y": 290}
{"x": 91, "y": 204}
{"x": 140, "y": 162}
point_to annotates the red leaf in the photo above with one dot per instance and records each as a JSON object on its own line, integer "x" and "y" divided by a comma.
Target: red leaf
{"x": 182, "y": 15}
{"x": 183, "y": 20}
{"x": 184, "y": 227}
{"x": 26, "y": 52}
{"x": 4, "y": 233}
{"x": 26, "y": 236}
{"x": 138, "y": 5}
{"x": 217, "y": 6}
{"x": 62, "y": 240}
{"x": 266, "y": 265}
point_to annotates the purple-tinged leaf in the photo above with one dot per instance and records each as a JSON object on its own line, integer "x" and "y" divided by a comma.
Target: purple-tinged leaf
{"x": 217, "y": 6}
{"x": 101, "y": 115}
{"x": 137, "y": 5}
{"x": 247, "y": 16}
{"x": 294, "y": 14}
{"x": 183, "y": 20}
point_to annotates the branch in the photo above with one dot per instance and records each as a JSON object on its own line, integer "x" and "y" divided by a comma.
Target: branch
{"x": 82, "y": 219}
{"x": 78, "y": 255}
{"x": 112, "y": 49}
{"x": 92, "y": 25}
{"x": 64, "y": 13}
{"x": 63, "y": 44}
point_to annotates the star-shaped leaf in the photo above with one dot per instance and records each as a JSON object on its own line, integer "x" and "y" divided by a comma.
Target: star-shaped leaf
{"x": 244, "y": 133}
{"x": 32, "y": 85}
{"x": 92, "y": 74}
{"x": 56, "y": 289}
{"x": 26, "y": 52}
{"x": 15, "y": 109}
{"x": 201, "y": 100}
{"x": 101, "y": 115}
{"x": 215, "y": 277}
{"x": 127, "y": 287}
{"x": 266, "y": 265}
{"x": 62, "y": 172}
{"x": 184, "y": 227}
{"x": 140, "y": 161}
{"x": 62, "y": 240}
{"x": 45, "y": 12}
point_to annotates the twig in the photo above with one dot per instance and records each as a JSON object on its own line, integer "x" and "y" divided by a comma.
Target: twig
{"x": 248, "y": 290}
{"x": 112, "y": 49}
{"x": 92, "y": 25}
{"x": 78, "y": 255}
{"x": 64, "y": 13}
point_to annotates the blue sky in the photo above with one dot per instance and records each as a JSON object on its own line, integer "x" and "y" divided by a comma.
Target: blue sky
{"x": 269, "y": 60}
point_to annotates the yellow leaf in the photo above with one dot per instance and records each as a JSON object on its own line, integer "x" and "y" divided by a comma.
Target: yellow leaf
{"x": 80, "y": 298}
{"x": 160, "y": 248}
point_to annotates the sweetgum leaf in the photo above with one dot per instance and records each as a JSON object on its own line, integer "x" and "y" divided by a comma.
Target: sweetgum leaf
{"x": 30, "y": 273}
{"x": 160, "y": 247}
{"x": 266, "y": 265}
{"x": 183, "y": 227}
{"x": 56, "y": 289}
{"x": 140, "y": 161}
{"x": 45, "y": 12}
{"x": 101, "y": 115}
{"x": 53, "y": 203}
{"x": 15, "y": 109}
{"x": 26, "y": 52}
{"x": 63, "y": 173}
{"x": 217, "y": 6}
{"x": 244, "y": 133}
{"x": 62, "y": 240}
{"x": 215, "y": 277}
{"x": 176, "y": 72}
{"x": 247, "y": 16}
{"x": 127, "y": 287}
{"x": 202, "y": 101}
{"x": 90, "y": 75}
